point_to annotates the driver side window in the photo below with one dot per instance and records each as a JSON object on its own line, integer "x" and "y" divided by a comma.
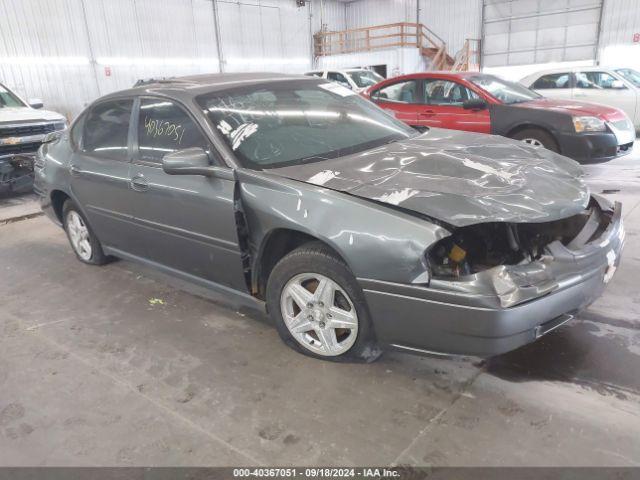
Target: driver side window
{"x": 447, "y": 93}
{"x": 164, "y": 127}
{"x": 554, "y": 80}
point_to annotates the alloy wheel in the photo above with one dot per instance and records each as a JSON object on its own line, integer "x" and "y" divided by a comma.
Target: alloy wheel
{"x": 79, "y": 235}
{"x": 534, "y": 142}
{"x": 319, "y": 314}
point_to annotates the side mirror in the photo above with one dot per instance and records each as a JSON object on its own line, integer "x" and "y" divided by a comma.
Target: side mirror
{"x": 35, "y": 103}
{"x": 474, "y": 104}
{"x": 192, "y": 161}
{"x": 618, "y": 84}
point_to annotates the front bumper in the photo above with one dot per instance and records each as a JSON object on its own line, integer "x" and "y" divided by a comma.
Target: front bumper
{"x": 16, "y": 173}
{"x": 595, "y": 147}
{"x": 428, "y": 320}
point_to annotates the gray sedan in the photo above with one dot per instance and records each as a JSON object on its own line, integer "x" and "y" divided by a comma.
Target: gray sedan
{"x": 356, "y": 231}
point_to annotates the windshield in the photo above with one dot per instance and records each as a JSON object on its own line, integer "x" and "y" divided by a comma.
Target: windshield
{"x": 365, "y": 78}
{"x": 292, "y": 122}
{"x": 507, "y": 92}
{"x": 8, "y": 98}
{"x": 630, "y": 75}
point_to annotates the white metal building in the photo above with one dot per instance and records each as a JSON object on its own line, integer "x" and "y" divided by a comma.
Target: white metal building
{"x": 69, "y": 52}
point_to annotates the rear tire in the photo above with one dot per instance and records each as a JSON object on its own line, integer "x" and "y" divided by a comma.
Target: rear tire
{"x": 332, "y": 323}
{"x": 537, "y": 138}
{"x": 83, "y": 241}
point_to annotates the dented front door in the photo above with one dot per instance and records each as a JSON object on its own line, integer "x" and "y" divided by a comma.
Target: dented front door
{"x": 185, "y": 222}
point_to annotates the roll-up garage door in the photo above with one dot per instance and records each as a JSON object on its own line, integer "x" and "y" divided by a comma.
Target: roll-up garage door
{"x": 520, "y": 32}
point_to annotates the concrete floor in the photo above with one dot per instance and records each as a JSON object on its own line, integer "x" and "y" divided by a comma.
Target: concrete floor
{"x": 18, "y": 207}
{"x": 94, "y": 370}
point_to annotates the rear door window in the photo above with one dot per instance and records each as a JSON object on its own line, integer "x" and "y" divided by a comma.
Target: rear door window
{"x": 552, "y": 81}
{"x": 447, "y": 93}
{"x": 106, "y": 129}
{"x": 164, "y": 127}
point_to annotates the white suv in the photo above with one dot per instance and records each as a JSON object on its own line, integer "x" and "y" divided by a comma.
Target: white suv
{"x": 357, "y": 79}
{"x": 23, "y": 126}
{"x": 614, "y": 87}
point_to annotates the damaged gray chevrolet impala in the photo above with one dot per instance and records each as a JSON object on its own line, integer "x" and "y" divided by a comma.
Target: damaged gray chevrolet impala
{"x": 357, "y": 232}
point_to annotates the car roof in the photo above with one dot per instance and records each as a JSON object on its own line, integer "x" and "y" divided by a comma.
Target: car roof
{"x": 194, "y": 85}
{"x": 439, "y": 74}
{"x": 594, "y": 68}
{"x": 362, "y": 69}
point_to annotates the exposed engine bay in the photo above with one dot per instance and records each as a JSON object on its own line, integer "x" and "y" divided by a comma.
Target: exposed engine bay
{"x": 479, "y": 247}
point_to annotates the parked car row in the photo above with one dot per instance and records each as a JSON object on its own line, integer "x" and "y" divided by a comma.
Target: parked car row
{"x": 483, "y": 103}
{"x": 356, "y": 79}
{"x": 356, "y": 231}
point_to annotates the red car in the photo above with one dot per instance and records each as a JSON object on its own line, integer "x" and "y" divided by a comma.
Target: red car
{"x": 482, "y": 103}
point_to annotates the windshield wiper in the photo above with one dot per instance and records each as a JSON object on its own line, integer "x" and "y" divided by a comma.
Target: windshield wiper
{"x": 312, "y": 157}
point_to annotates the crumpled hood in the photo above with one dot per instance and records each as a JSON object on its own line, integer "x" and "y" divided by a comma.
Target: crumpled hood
{"x": 457, "y": 177}
{"x": 22, "y": 114}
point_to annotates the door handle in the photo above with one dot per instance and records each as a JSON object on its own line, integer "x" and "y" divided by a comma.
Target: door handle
{"x": 427, "y": 113}
{"x": 139, "y": 183}
{"x": 75, "y": 171}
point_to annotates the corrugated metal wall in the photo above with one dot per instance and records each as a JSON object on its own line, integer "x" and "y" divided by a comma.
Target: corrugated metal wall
{"x": 272, "y": 35}
{"x": 69, "y": 52}
{"x": 366, "y": 13}
{"x": 454, "y": 20}
{"x": 330, "y": 13}
{"x": 620, "y": 33}
{"x": 44, "y": 52}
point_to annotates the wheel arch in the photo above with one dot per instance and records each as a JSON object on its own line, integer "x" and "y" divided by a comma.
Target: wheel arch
{"x": 290, "y": 213}
{"x": 275, "y": 245}
{"x": 58, "y": 197}
{"x": 528, "y": 125}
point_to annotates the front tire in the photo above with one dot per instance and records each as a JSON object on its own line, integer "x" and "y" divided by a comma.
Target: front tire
{"x": 318, "y": 306}
{"x": 83, "y": 241}
{"x": 537, "y": 138}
